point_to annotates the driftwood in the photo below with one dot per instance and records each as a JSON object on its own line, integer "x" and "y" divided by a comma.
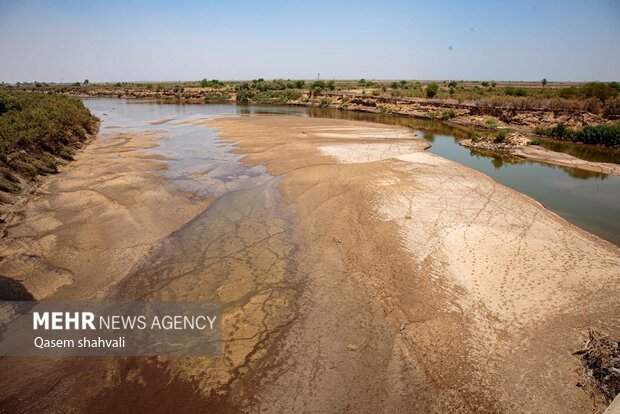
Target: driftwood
{"x": 601, "y": 362}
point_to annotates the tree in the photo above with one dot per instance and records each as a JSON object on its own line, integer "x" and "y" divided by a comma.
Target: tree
{"x": 86, "y": 82}
{"x": 431, "y": 90}
{"x": 544, "y": 82}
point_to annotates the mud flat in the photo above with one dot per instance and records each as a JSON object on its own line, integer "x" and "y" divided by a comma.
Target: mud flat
{"x": 357, "y": 273}
{"x": 428, "y": 286}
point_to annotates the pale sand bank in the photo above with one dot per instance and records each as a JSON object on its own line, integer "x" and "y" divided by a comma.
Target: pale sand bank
{"x": 460, "y": 293}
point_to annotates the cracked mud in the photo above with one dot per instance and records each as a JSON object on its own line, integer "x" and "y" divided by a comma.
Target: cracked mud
{"x": 358, "y": 273}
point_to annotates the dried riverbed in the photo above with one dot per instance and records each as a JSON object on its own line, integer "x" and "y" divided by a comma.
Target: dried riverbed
{"x": 357, "y": 272}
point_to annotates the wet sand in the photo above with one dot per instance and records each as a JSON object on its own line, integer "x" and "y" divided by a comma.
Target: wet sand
{"x": 365, "y": 275}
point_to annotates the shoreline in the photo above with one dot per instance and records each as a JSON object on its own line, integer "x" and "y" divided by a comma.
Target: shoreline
{"x": 546, "y": 156}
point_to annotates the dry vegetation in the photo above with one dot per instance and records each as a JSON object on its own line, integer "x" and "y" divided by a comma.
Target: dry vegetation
{"x": 529, "y": 107}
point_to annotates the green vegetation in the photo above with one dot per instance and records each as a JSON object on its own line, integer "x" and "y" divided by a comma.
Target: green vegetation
{"x": 501, "y": 136}
{"x": 447, "y": 114}
{"x": 605, "y": 134}
{"x": 491, "y": 123}
{"x": 511, "y": 91}
{"x": 325, "y": 102}
{"x": 213, "y": 83}
{"x": 273, "y": 96}
{"x": 431, "y": 90}
{"x": 37, "y": 131}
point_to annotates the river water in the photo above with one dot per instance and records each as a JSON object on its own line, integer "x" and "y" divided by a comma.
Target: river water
{"x": 199, "y": 162}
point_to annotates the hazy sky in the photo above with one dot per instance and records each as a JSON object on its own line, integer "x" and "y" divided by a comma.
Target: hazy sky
{"x": 114, "y": 40}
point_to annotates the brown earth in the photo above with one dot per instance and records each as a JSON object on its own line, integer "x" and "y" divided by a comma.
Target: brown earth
{"x": 368, "y": 276}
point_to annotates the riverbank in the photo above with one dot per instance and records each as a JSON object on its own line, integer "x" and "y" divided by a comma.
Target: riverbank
{"x": 484, "y": 116}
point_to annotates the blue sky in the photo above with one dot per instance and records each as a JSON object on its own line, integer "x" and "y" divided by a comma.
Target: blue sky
{"x": 184, "y": 40}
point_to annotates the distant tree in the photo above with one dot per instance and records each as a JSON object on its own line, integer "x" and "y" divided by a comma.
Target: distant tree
{"x": 484, "y": 83}
{"x": 544, "y": 82}
{"x": 394, "y": 85}
{"x": 86, "y": 82}
{"x": 452, "y": 84}
{"x": 331, "y": 85}
{"x": 299, "y": 84}
{"x": 431, "y": 90}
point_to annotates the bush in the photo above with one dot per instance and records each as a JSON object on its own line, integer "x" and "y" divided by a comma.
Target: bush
{"x": 273, "y": 96}
{"x": 448, "y": 114}
{"x": 324, "y": 102}
{"x": 612, "y": 108}
{"x": 512, "y": 91}
{"x": 491, "y": 123}
{"x": 535, "y": 141}
{"x": 243, "y": 93}
{"x": 318, "y": 84}
{"x": 598, "y": 90}
{"x": 501, "y": 136}
{"x": 38, "y": 129}
{"x": 431, "y": 90}
{"x": 607, "y": 135}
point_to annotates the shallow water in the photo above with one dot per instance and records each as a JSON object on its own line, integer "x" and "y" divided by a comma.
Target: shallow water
{"x": 198, "y": 162}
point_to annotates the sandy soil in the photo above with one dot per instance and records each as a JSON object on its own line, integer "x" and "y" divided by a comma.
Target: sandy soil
{"x": 429, "y": 287}
{"x": 86, "y": 227}
{"x": 367, "y": 276}
{"x": 559, "y": 158}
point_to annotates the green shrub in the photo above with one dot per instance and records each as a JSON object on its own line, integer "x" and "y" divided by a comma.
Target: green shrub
{"x": 448, "y": 114}
{"x": 324, "y": 102}
{"x": 36, "y": 129}
{"x": 535, "y": 141}
{"x": 598, "y": 90}
{"x": 607, "y": 135}
{"x": 243, "y": 93}
{"x": 512, "y": 91}
{"x": 501, "y": 136}
{"x": 431, "y": 90}
{"x": 560, "y": 131}
{"x": 276, "y": 96}
{"x": 491, "y": 123}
